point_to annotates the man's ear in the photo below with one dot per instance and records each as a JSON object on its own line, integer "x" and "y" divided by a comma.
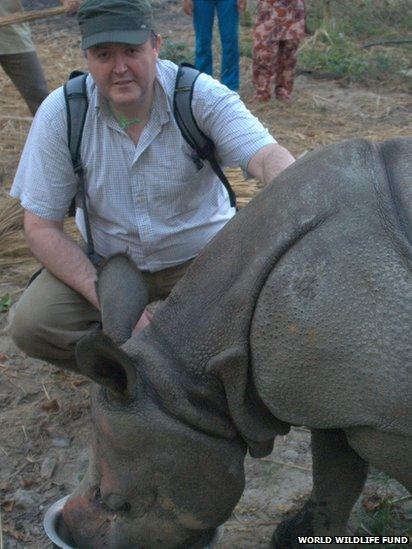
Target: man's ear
{"x": 158, "y": 44}
{"x": 105, "y": 363}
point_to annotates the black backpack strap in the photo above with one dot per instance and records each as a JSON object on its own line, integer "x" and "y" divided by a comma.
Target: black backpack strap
{"x": 193, "y": 135}
{"x": 75, "y": 95}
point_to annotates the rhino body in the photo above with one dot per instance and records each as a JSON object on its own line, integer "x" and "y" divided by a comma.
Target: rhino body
{"x": 297, "y": 313}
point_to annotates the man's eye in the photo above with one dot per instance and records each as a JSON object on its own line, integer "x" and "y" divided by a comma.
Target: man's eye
{"x": 133, "y": 51}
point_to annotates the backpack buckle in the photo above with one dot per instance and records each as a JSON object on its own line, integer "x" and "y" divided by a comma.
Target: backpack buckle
{"x": 77, "y": 167}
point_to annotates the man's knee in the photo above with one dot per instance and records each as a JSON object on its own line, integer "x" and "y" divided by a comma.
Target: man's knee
{"x": 50, "y": 318}
{"x": 24, "y": 327}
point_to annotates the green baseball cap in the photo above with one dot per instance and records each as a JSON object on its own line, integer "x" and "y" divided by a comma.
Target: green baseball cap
{"x": 124, "y": 21}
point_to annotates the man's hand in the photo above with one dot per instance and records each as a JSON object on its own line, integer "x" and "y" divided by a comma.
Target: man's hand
{"x": 241, "y": 5}
{"x": 143, "y": 321}
{"x": 188, "y": 7}
{"x": 71, "y": 5}
{"x": 268, "y": 162}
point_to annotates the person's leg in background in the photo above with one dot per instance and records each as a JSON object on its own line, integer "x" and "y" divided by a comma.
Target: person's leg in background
{"x": 285, "y": 69}
{"x": 203, "y": 15}
{"x": 265, "y": 51}
{"x": 26, "y": 73}
{"x": 228, "y": 18}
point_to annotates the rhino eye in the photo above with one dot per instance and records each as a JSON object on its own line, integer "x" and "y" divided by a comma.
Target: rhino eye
{"x": 125, "y": 508}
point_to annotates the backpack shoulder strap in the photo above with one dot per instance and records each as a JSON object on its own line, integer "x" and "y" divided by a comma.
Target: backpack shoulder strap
{"x": 75, "y": 95}
{"x": 193, "y": 135}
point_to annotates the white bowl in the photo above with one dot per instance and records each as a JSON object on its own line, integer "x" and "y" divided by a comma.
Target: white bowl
{"x": 216, "y": 537}
{"x": 54, "y": 525}
{"x": 57, "y": 532}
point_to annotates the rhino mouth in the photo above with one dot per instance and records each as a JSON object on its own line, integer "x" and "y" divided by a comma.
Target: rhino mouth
{"x": 59, "y": 533}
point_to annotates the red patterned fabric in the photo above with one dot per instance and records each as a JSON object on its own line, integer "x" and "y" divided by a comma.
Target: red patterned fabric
{"x": 279, "y": 26}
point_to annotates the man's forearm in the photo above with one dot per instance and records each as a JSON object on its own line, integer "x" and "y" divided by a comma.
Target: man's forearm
{"x": 63, "y": 258}
{"x": 269, "y": 162}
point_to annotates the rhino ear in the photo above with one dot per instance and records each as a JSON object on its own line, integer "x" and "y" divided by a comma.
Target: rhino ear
{"x": 105, "y": 363}
{"x": 123, "y": 295}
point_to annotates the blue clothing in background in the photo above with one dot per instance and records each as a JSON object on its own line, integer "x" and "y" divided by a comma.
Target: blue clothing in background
{"x": 228, "y": 19}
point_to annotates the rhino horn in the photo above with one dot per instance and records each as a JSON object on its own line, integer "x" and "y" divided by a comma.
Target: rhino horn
{"x": 104, "y": 362}
{"x": 123, "y": 295}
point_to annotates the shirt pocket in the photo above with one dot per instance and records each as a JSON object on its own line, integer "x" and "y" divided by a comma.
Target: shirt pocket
{"x": 176, "y": 170}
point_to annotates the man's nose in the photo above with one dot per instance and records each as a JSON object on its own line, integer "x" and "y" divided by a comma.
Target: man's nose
{"x": 120, "y": 65}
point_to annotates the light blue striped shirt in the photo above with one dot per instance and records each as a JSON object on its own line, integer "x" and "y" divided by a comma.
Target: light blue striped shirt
{"x": 149, "y": 200}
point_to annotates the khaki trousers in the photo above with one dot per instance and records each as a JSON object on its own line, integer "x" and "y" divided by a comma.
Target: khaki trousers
{"x": 50, "y": 317}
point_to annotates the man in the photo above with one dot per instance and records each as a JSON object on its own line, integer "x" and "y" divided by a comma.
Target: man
{"x": 18, "y": 56}
{"x": 203, "y": 12}
{"x": 278, "y": 29}
{"x": 146, "y": 194}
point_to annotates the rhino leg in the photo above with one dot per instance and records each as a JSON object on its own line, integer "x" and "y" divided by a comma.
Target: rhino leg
{"x": 388, "y": 452}
{"x": 338, "y": 478}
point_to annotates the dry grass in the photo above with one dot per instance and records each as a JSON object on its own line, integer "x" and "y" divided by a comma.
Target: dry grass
{"x": 12, "y": 245}
{"x": 321, "y": 114}
{"x": 16, "y": 261}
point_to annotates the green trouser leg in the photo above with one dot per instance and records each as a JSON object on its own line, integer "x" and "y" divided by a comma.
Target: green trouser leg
{"x": 26, "y": 73}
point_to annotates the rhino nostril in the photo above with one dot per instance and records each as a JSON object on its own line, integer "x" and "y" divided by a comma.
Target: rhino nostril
{"x": 117, "y": 503}
{"x": 96, "y": 493}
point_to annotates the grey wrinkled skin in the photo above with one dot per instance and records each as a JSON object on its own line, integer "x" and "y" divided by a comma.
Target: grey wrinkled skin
{"x": 127, "y": 289}
{"x": 297, "y": 313}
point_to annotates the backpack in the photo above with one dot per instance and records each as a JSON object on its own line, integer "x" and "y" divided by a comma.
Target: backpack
{"x": 193, "y": 135}
{"x": 75, "y": 95}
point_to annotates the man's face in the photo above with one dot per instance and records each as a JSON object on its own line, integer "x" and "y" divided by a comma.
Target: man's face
{"x": 124, "y": 73}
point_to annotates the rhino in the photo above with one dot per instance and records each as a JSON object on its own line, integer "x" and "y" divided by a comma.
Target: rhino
{"x": 296, "y": 314}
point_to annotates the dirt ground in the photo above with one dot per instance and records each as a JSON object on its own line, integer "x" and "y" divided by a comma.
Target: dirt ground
{"x": 45, "y": 412}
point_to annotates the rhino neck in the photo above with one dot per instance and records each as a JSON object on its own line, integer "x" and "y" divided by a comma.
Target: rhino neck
{"x": 197, "y": 401}
{"x": 203, "y": 372}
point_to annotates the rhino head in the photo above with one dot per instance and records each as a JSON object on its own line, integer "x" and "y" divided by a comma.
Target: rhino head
{"x": 141, "y": 490}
